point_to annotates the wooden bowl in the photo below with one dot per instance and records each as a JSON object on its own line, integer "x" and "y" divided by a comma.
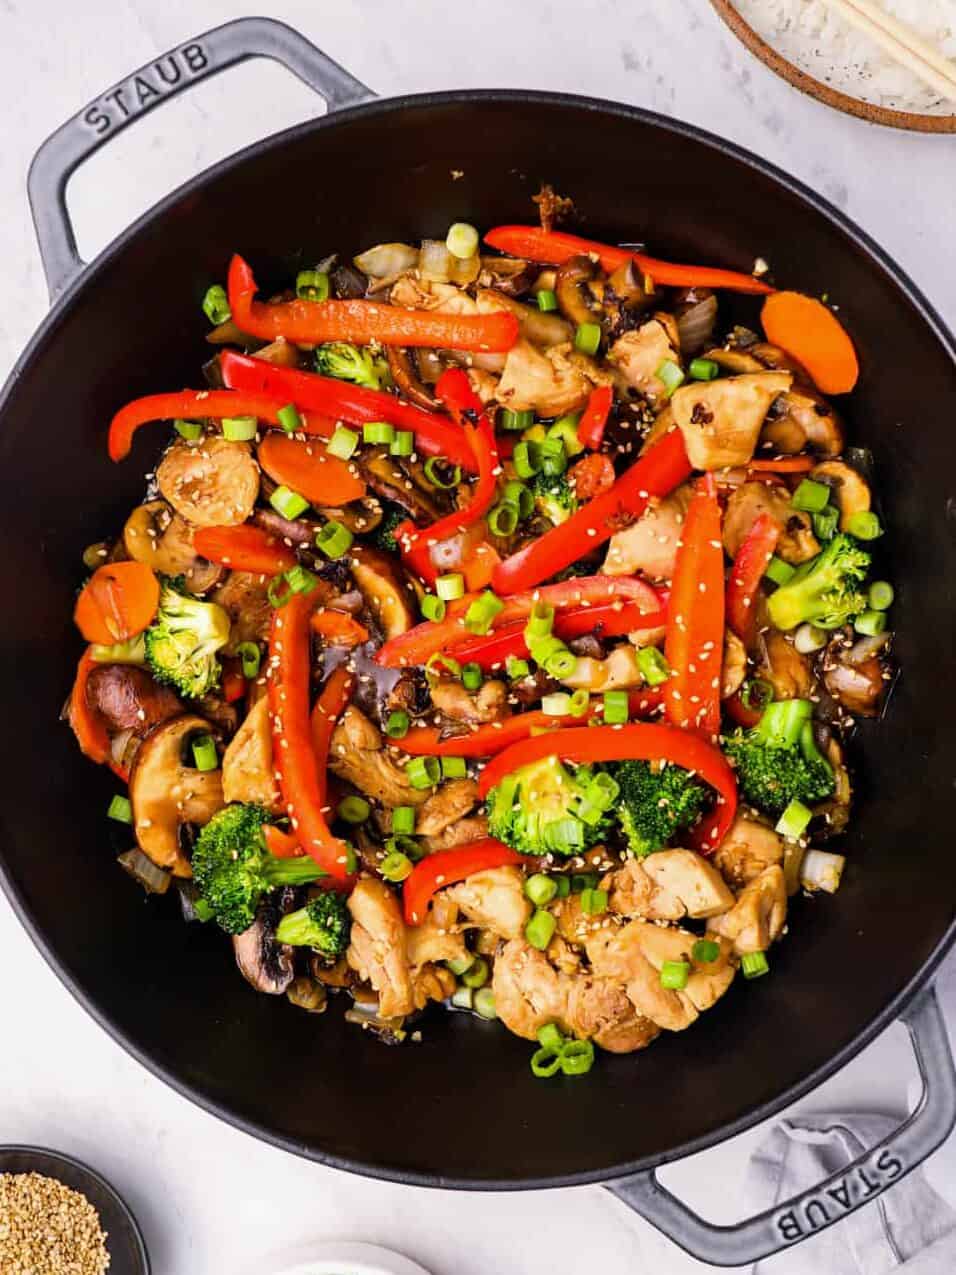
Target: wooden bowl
{"x": 913, "y": 120}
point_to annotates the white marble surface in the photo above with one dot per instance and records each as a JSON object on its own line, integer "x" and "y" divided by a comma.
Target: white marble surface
{"x": 62, "y": 1081}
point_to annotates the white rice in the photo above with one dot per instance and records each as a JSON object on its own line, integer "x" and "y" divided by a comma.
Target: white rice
{"x": 819, "y": 41}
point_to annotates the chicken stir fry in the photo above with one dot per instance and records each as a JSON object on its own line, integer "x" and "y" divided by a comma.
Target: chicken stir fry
{"x": 490, "y": 635}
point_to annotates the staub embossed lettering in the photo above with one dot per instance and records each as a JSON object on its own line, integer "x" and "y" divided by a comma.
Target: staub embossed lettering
{"x": 819, "y": 1208}
{"x": 145, "y": 89}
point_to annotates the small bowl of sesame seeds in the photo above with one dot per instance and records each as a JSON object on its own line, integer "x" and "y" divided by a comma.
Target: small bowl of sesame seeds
{"x": 58, "y": 1217}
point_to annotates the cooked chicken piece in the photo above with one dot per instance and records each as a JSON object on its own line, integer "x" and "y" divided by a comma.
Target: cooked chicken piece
{"x": 413, "y": 293}
{"x": 721, "y": 420}
{"x": 619, "y": 671}
{"x": 484, "y": 384}
{"x": 574, "y": 924}
{"x": 377, "y": 948}
{"x": 471, "y": 828}
{"x": 564, "y": 956}
{"x": 357, "y": 755}
{"x": 650, "y": 544}
{"x": 488, "y": 704}
{"x": 691, "y": 879}
{"x": 549, "y": 384}
{"x": 212, "y": 483}
{"x": 244, "y": 597}
{"x": 617, "y": 955}
{"x": 432, "y": 983}
{"x": 748, "y": 848}
{"x": 638, "y": 354}
{"x": 632, "y": 892}
{"x": 439, "y": 937}
{"x": 127, "y": 698}
{"x": 443, "y": 808}
{"x": 529, "y": 991}
{"x": 734, "y": 668}
{"x": 759, "y": 914}
{"x": 787, "y": 671}
{"x": 599, "y": 1010}
{"x": 495, "y": 900}
{"x": 797, "y": 542}
{"x": 247, "y": 770}
{"x": 708, "y": 980}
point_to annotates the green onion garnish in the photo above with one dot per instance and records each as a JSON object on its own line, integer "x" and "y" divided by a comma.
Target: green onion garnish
{"x": 334, "y": 539}
{"x": 403, "y": 444}
{"x": 670, "y": 376}
{"x": 543, "y": 648}
{"x": 545, "y": 1063}
{"x": 540, "y": 889}
{"x": 460, "y": 964}
{"x": 395, "y": 866}
{"x": 312, "y": 285}
{"x": 705, "y": 951}
{"x": 583, "y": 881}
{"x": 561, "y": 663}
{"x": 441, "y": 474}
{"x": 811, "y": 497}
{"x": 463, "y": 998}
{"x": 239, "y": 429}
{"x": 353, "y": 809}
{"x": 754, "y": 964}
{"x": 520, "y": 496}
{"x": 481, "y": 613}
{"x": 654, "y": 668}
{"x": 472, "y": 677}
{"x": 526, "y": 459}
{"x": 587, "y": 338}
{"x": 547, "y": 300}
{"x": 377, "y": 432}
{"x": 343, "y": 443}
{"x": 289, "y": 418}
{"x": 300, "y": 579}
{"x": 756, "y": 693}
{"x": 516, "y": 667}
{"x": 403, "y": 821}
{"x": 864, "y": 525}
{"x": 603, "y": 791}
{"x": 825, "y": 523}
{"x": 579, "y": 702}
{"x": 462, "y": 240}
{"x": 792, "y": 824}
{"x": 484, "y": 1003}
{"x": 556, "y": 704}
{"x": 593, "y": 902}
{"x": 577, "y": 1057}
{"x": 870, "y": 623}
{"x": 438, "y": 664}
{"x": 251, "y": 658}
{"x": 423, "y": 772}
{"x": 540, "y": 620}
{"x": 433, "y": 608}
{"x": 215, "y": 304}
{"x": 121, "y": 809}
{"x": 477, "y": 974}
{"x": 507, "y": 419}
{"x": 202, "y": 911}
{"x": 565, "y": 428}
{"x": 190, "y": 430}
{"x": 674, "y": 975}
{"x": 397, "y": 724}
{"x": 616, "y": 708}
{"x": 703, "y": 369}
{"x": 351, "y": 859}
{"x": 450, "y": 587}
{"x": 454, "y": 767}
{"x": 554, "y": 457}
{"x": 880, "y": 595}
{"x": 540, "y": 929}
{"x": 205, "y": 756}
{"x": 288, "y": 503}
{"x": 503, "y": 519}
{"x": 551, "y": 1037}
{"x": 778, "y": 571}
{"x": 564, "y": 886}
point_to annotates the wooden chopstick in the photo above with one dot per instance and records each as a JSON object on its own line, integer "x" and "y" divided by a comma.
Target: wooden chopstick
{"x": 902, "y": 43}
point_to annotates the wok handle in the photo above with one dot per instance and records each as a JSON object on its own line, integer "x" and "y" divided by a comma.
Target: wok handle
{"x": 150, "y": 86}
{"x": 843, "y": 1192}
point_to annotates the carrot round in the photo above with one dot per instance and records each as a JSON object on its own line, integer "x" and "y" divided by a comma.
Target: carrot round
{"x": 244, "y": 548}
{"x": 118, "y": 601}
{"x": 88, "y": 727}
{"x": 812, "y": 333}
{"x": 308, "y": 468}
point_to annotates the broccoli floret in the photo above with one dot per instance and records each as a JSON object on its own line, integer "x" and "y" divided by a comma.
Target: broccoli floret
{"x": 385, "y": 531}
{"x": 824, "y": 591}
{"x": 778, "y": 761}
{"x": 656, "y": 803}
{"x": 554, "y": 496}
{"x": 182, "y": 642}
{"x": 233, "y": 869}
{"x": 545, "y": 808}
{"x": 349, "y": 363}
{"x": 324, "y": 924}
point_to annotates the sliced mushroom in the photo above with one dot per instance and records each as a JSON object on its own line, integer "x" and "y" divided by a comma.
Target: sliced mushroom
{"x": 392, "y": 481}
{"x": 488, "y": 704}
{"x": 247, "y": 771}
{"x": 797, "y": 542}
{"x": 721, "y": 420}
{"x": 788, "y": 672}
{"x": 269, "y": 966}
{"x": 245, "y": 599}
{"x": 802, "y": 418}
{"x": 627, "y": 293}
{"x": 360, "y": 516}
{"x": 537, "y": 326}
{"x": 166, "y": 793}
{"x": 575, "y": 299}
{"x": 509, "y": 275}
{"x": 401, "y": 364}
{"x": 154, "y": 534}
{"x": 384, "y": 588}
{"x": 128, "y": 699}
{"x": 212, "y": 483}
{"x": 850, "y": 489}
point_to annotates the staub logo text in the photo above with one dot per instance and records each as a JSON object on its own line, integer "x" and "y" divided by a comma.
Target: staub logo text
{"x": 145, "y": 88}
{"x": 820, "y": 1208}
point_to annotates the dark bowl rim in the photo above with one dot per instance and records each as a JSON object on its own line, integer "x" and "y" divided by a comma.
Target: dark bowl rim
{"x": 72, "y": 296}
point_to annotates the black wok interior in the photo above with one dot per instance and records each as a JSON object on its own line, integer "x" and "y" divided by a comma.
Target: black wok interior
{"x": 463, "y": 1108}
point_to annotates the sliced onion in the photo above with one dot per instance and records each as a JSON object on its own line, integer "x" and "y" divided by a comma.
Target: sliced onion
{"x": 352, "y": 602}
{"x": 153, "y": 880}
{"x": 822, "y": 870}
{"x": 435, "y": 262}
{"x": 387, "y": 259}
{"x": 123, "y": 749}
{"x": 696, "y": 325}
{"x": 808, "y": 639}
{"x": 448, "y": 553}
{"x": 865, "y": 648}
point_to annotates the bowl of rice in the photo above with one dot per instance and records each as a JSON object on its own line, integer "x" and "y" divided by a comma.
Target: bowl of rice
{"x": 813, "y": 47}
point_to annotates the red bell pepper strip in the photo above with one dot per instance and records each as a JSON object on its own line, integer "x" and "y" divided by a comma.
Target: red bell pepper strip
{"x": 783, "y": 465}
{"x": 332, "y": 401}
{"x": 494, "y": 737}
{"x": 594, "y": 417}
{"x": 194, "y": 405}
{"x": 658, "y": 472}
{"x": 244, "y": 548}
{"x": 312, "y": 322}
{"x": 329, "y": 707}
{"x": 233, "y": 682}
{"x": 555, "y": 247}
{"x": 694, "y": 642}
{"x": 281, "y": 844}
{"x": 738, "y": 711}
{"x": 746, "y": 573}
{"x": 446, "y": 867}
{"x": 643, "y": 741}
{"x": 89, "y": 729}
{"x": 300, "y": 773}
{"x": 415, "y": 646}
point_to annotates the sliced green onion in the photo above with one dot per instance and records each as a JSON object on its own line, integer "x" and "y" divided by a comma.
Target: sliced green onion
{"x": 593, "y": 902}
{"x": 477, "y": 975}
{"x": 397, "y": 724}
{"x": 547, "y": 300}
{"x": 378, "y": 432}
{"x": 756, "y": 693}
{"x": 556, "y": 704}
{"x": 792, "y": 824}
{"x": 251, "y": 658}
{"x": 450, "y": 587}
{"x": 395, "y": 866}
{"x": 653, "y": 666}
{"x": 438, "y": 664}
{"x": 353, "y": 809}
{"x": 551, "y": 1037}
{"x": 674, "y": 975}
{"x": 583, "y": 881}
{"x": 871, "y": 623}
{"x": 510, "y": 420}
{"x": 540, "y": 889}
{"x": 778, "y": 571}
{"x": 540, "y": 620}
{"x": 540, "y": 929}
{"x": 589, "y": 813}
{"x": 543, "y": 648}
{"x": 577, "y": 1058}
{"x": 564, "y": 836}
{"x": 705, "y": 951}
{"x": 433, "y": 608}
{"x": 334, "y": 539}
{"x": 565, "y": 428}
{"x": 484, "y": 1003}
{"x": 808, "y": 638}
{"x": 603, "y": 790}
{"x": 754, "y": 964}
{"x": 205, "y": 756}
{"x": 703, "y": 369}
{"x": 864, "y": 525}
{"x": 825, "y": 523}
{"x": 121, "y": 809}
{"x": 587, "y": 338}
{"x": 278, "y": 591}
{"x": 616, "y": 708}
{"x": 454, "y": 767}
{"x": 460, "y": 964}
{"x": 403, "y": 444}
{"x": 190, "y": 430}
{"x": 288, "y": 503}
{"x": 215, "y": 304}
{"x": 503, "y": 519}
{"x": 463, "y": 998}
{"x": 351, "y": 859}
{"x": 472, "y": 678}
{"x": 239, "y": 429}
{"x": 545, "y": 1063}
{"x": 579, "y": 703}
{"x": 462, "y": 240}
{"x": 561, "y": 663}
{"x": 312, "y": 285}
{"x": 403, "y": 821}
{"x": 880, "y": 595}
{"x": 520, "y": 496}
{"x": 202, "y": 910}
{"x": 516, "y": 668}
{"x": 436, "y": 468}
{"x": 481, "y": 613}
{"x": 300, "y": 579}
{"x": 526, "y": 459}
{"x": 811, "y": 497}
{"x": 289, "y": 418}
{"x": 423, "y": 772}
{"x": 670, "y": 376}
{"x": 554, "y": 457}
{"x": 564, "y": 886}
{"x": 343, "y": 443}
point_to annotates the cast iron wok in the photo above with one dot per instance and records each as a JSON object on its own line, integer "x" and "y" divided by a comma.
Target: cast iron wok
{"x": 463, "y": 1109}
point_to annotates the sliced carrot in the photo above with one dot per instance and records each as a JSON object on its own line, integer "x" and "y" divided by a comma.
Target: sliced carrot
{"x": 783, "y": 465}
{"x": 118, "y": 601}
{"x": 480, "y": 567}
{"x": 812, "y": 333}
{"x": 233, "y": 683}
{"x": 308, "y": 468}
{"x": 338, "y": 628}
{"x": 244, "y": 548}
